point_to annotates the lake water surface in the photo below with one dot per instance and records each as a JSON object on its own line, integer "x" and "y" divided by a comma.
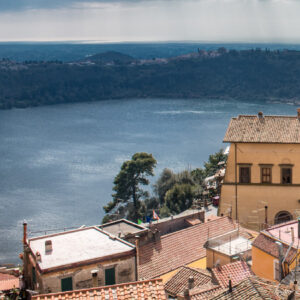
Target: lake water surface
{"x": 58, "y": 163}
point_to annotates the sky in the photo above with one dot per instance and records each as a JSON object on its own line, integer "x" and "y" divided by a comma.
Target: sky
{"x": 150, "y": 20}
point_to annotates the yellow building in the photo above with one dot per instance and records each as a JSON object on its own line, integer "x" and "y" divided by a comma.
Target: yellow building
{"x": 266, "y": 257}
{"x": 262, "y": 180}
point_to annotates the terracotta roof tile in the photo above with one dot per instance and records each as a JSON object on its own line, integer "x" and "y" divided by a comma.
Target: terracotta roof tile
{"x": 179, "y": 282}
{"x": 267, "y": 129}
{"x": 237, "y": 272}
{"x": 179, "y": 248}
{"x": 205, "y": 292}
{"x": 140, "y": 290}
{"x": 267, "y": 244}
{"x": 255, "y": 288}
{"x": 8, "y": 282}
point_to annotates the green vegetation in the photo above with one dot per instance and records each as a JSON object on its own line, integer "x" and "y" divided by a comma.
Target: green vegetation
{"x": 128, "y": 193}
{"x": 248, "y": 74}
{"x": 173, "y": 193}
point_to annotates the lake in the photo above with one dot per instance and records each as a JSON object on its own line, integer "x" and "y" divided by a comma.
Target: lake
{"x": 58, "y": 162}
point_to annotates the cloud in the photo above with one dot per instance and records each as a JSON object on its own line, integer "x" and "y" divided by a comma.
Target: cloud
{"x": 151, "y": 20}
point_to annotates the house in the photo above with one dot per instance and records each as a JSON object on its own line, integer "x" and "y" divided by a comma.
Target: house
{"x": 236, "y": 272}
{"x": 139, "y": 290}
{"x": 262, "y": 180}
{"x": 203, "y": 284}
{"x": 226, "y": 248}
{"x": 165, "y": 255}
{"x": 255, "y": 288}
{"x": 125, "y": 229}
{"x": 274, "y": 251}
{"x": 77, "y": 259}
{"x": 187, "y": 278}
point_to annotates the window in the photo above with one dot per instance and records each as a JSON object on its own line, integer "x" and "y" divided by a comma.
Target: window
{"x": 266, "y": 174}
{"x": 245, "y": 174}
{"x": 286, "y": 175}
{"x": 110, "y": 277}
{"x": 66, "y": 284}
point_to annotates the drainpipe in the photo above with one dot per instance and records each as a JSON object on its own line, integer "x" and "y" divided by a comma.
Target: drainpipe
{"x": 281, "y": 259}
{"x": 137, "y": 253}
{"x": 236, "y": 188}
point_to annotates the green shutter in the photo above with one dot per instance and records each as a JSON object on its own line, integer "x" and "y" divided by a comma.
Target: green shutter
{"x": 33, "y": 275}
{"x": 66, "y": 284}
{"x": 110, "y": 277}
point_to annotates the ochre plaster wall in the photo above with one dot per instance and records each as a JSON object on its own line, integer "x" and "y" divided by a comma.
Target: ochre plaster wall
{"x": 252, "y": 198}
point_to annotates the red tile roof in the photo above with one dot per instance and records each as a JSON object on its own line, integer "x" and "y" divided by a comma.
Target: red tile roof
{"x": 237, "y": 272}
{"x": 266, "y": 129}
{"x": 8, "y": 282}
{"x": 256, "y": 288}
{"x": 267, "y": 244}
{"x": 179, "y": 282}
{"x": 139, "y": 290}
{"x": 179, "y": 248}
{"x": 207, "y": 291}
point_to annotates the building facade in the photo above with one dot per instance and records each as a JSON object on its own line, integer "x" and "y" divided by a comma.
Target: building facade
{"x": 77, "y": 259}
{"x": 262, "y": 180}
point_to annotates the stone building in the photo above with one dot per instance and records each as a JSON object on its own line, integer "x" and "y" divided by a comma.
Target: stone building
{"x": 262, "y": 180}
{"x": 76, "y": 259}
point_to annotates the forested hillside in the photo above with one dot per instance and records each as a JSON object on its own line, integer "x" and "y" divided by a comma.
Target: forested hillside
{"x": 250, "y": 74}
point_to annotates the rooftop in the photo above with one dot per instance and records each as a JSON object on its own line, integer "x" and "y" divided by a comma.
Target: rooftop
{"x": 285, "y": 232}
{"x": 263, "y": 129}
{"x": 8, "y": 282}
{"x": 122, "y": 227}
{"x": 139, "y": 290}
{"x": 256, "y": 288}
{"x": 236, "y": 271}
{"x": 230, "y": 243}
{"x": 179, "y": 248}
{"x": 267, "y": 244}
{"x": 179, "y": 282}
{"x": 75, "y": 246}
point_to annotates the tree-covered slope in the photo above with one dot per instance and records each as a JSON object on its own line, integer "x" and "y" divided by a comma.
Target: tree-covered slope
{"x": 251, "y": 74}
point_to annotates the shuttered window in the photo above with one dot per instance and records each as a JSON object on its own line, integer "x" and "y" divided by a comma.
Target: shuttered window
{"x": 266, "y": 175}
{"x": 244, "y": 174}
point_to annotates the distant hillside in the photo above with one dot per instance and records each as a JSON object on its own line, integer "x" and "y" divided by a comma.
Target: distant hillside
{"x": 110, "y": 57}
{"x": 249, "y": 74}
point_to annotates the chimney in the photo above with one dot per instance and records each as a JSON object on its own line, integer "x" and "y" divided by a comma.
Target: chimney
{"x": 24, "y": 233}
{"x": 298, "y": 227}
{"x": 191, "y": 282}
{"x": 48, "y": 247}
{"x": 38, "y": 256}
{"x": 293, "y": 234}
{"x": 266, "y": 217}
{"x": 260, "y": 115}
{"x": 298, "y": 113}
{"x": 94, "y": 278}
{"x": 230, "y": 286}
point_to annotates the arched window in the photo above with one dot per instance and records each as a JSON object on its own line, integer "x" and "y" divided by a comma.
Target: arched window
{"x": 283, "y": 216}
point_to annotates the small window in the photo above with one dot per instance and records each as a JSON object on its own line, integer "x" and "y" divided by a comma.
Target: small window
{"x": 244, "y": 174}
{"x": 66, "y": 284}
{"x": 266, "y": 173}
{"x": 110, "y": 277}
{"x": 286, "y": 175}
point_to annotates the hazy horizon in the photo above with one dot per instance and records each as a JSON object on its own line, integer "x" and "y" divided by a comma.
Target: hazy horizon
{"x": 107, "y": 21}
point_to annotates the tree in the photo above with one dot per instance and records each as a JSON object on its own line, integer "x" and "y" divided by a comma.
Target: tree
{"x": 179, "y": 198}
{"x": 128, "y": 193}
